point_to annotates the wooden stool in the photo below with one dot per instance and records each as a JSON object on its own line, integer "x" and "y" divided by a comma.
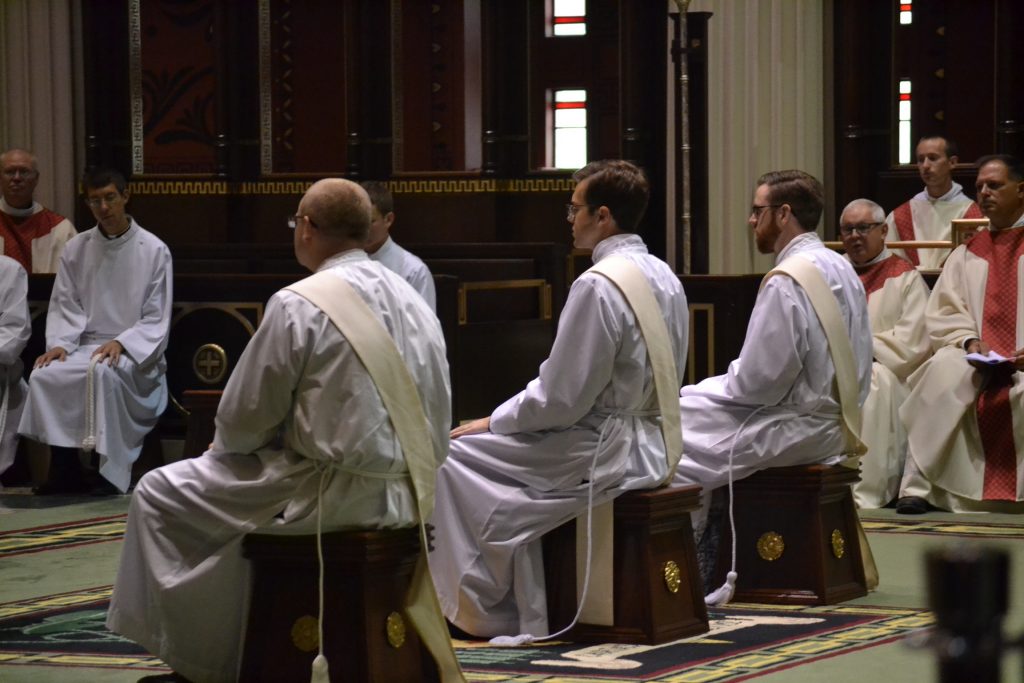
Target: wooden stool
{"x": 201, "y": 405}
{"x": 797, "y": 542}
{"x": 658, "y": 596}
{"x": 368, "y": 637}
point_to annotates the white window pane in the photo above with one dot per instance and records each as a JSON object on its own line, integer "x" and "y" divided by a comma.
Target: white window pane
{"x": 570, "y": 29}
{"x": 570, "y": 118}
{"x": 570, "y": 96}
{"x": 570, "y": 8}
{"x": 906, "y": 17}
{"x": 904, "y": 87}
{"x": 570, "y": 147}
{"x": 904, "y": 149}
{"x": 904, "y": 110}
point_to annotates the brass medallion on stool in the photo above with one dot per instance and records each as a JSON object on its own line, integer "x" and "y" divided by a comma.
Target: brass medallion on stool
{"x": 838, "y": 543}
{"x": 210, "y": 363}
{"x": 673, "y": 576}
{"x": 770, "y": 546}
{"x": 396, "y": 630}
{"x": 306, "y": 633}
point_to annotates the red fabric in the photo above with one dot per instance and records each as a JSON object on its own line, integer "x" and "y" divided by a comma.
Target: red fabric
{"x": 973, "y": 211}
{"x": 875, "y": 275}
{"x": 1002, "y": 249}
{"x": 18, "y": 236}
{"x": 904, "y": 220}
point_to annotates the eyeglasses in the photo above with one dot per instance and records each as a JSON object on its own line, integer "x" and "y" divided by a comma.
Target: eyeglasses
{"x": 755, "y": 210}
{"x": 23, "y": 172}
{"x": 859, "y": 228}
{"x": 571, "y": 209}
{"x": 293, "y": 221}
{"x": 108, "y": 199}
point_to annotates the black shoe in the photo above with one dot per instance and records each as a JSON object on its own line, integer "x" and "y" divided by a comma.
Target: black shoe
{"x": 912, "y": 505}
{"x": 457, "y": 633}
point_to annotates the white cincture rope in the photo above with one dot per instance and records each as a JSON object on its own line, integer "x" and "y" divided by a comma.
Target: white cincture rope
{"x": 320, "y": 673}
{"x": 527, "y": 638}
{"x": 89, "y": 442}
{"x": 4, "y": 401}
{"x": 723, "y": 594}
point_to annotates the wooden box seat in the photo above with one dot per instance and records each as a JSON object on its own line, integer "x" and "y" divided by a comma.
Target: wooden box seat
{"x": 797, "y": 541}
{"x": 657, "y": 596}
{"x": 367, "y": 636}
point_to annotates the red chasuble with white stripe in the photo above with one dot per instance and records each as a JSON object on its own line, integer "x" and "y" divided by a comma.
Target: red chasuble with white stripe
{"x": 875, "y": 275}
{"x": 1002, "y": 249}
{"x": 18, "y": 235}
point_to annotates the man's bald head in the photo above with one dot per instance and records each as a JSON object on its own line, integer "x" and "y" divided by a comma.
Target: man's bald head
{"x": 18, "y": 177}
{"x": 339, "y": 208}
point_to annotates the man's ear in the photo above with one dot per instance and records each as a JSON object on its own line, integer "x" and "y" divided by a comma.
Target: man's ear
{"x": 126, "y": 195}
{"x": 954, "y": 161}
{"x": 389, "y": 219}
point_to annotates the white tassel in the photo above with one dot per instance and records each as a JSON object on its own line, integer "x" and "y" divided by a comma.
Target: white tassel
{"x": 320, "y": 674}
{"x": 512, "y": 641}
{"x": 723, "y": 594}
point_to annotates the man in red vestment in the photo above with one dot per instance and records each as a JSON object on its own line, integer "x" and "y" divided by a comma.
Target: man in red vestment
{"x": 964, "y": 417}
{"x": 928, "y": 214}
{"x": 897, "y": 296}
{"x": 30, "y": 234}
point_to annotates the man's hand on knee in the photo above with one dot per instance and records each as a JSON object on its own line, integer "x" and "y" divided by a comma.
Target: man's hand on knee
{"x": 478, "y": 426}
{"x": 56, "y": 353}
{"x": 111, "y": 351}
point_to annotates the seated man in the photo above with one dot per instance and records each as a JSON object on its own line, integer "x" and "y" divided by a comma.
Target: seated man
{"x": 963, "y": 421}
{"x": 928, "y": 215}
{"x": 30, "y": 234}
{"x": 587, "y": 425}
{"x": 101, "y": 384}
{"x": 778, "y": 404}
{"x": 897, "y": 296}
{"x": 300, "y": 414}
{"x": 15, "y": 330}
{"x": 381, "y": 247}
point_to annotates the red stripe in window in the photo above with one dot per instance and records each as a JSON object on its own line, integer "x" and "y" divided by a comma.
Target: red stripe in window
{"x": 570, "y": 20}
{"x": 570, "y": 105}
{"x": 906, "y": 7}
{"x": 905, "y": 97}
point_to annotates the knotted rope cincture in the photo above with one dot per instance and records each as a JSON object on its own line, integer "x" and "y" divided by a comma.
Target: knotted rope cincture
{"x": 89, "y": 442}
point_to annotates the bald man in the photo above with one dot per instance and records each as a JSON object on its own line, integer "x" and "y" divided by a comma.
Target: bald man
{"x": 299, "y": 411}
{"x": 31, "y": 234}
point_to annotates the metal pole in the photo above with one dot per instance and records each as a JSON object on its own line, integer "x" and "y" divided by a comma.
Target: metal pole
{"x": 684, "y": 134}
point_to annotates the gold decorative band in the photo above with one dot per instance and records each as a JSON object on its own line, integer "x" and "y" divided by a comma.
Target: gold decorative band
{"x": 298, "y": 187}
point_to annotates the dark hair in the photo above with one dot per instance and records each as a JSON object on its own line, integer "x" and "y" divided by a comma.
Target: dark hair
{"x": 619, "y": 185}
{"x": 800, "y": 190}
{"x": 380, "y": 196}
{"x": 1014, "y": 166}
{"x": 952, "y": 149}
{"x": 95, "y": 178}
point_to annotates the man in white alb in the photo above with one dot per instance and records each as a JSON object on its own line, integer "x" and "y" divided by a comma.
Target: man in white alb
{"x": 588, "y": 424}
{"x": 15, "y": 330}
{"x": 778, "y": 404}
{"x": 100, "y": 385}
{"x": 897, "y": 296}
{"x": 381, "y": 247}
{"x": 928, "y": 215}
{"x": 300, "y": 412}
{"x": 31, "y": 234}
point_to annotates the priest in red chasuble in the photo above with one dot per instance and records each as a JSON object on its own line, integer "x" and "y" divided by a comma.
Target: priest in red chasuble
{"x": 965, "y": 415}
{"x": 30, "y": 234}
{"x": 897, "y": 296}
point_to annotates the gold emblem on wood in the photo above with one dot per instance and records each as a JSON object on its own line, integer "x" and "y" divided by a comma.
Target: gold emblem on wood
{"x": 306, "y": 633}
{"x": 396, "y": 630}
{"x": 210, "y": 363}
{"x": 838, "y": 543}
{"x": 770, "y": 546}
{"x": 673, "y": 577}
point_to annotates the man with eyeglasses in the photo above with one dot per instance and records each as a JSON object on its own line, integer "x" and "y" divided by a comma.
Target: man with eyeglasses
{"x": 32, "y": 235}
{"x": 308, "y": 435}
{"x": 928, "y": 215}
{"x": 380, "y": 247}
{"x": 897, "y": 295}
{"x": 778, "y": 404}
{"x": 100, "y": 386}
{"x": 965, "y": 417}
{"x": 587, "y": 428}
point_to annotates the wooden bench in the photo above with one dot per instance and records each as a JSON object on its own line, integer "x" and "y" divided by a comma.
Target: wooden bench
{"x": 657, "y": 593}
{"x": 367, "y": 636}
{"x": 797, "y": 541}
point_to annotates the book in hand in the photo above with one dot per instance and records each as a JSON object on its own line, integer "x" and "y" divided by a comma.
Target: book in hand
{"x": 991, "y": 359}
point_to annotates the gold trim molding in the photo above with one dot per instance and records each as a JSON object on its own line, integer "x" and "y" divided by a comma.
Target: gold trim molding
{"x": 298, "y": 187}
